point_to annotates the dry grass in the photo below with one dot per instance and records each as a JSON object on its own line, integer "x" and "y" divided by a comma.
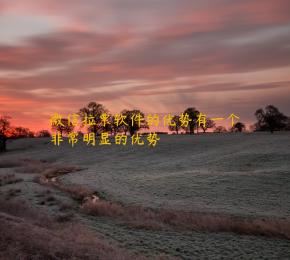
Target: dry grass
{"x": 56, "y": 171}
{"x": 140, "y": 217}
{"x": 11, "y": 193}
{"x": 47, "y": 172}
{"x": 66, "y": 217}
{"x": 26, "y": 234}
{"x": 9, "y": 179}
{"x": 66, "y": 206}
{"x": 6, "y": 163}
{"x": 44, "y": 168}
{"x": 31, "y": 167}
{"x": 145, "y": 218}
{"x": 19, "y": 208}
{"x": 76, "y": 192}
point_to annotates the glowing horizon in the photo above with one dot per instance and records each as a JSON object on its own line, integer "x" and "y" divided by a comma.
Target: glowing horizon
{"x": 158, "y": 56}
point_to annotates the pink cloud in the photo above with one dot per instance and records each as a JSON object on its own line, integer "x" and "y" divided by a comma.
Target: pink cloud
{"x": 97, "y": 44}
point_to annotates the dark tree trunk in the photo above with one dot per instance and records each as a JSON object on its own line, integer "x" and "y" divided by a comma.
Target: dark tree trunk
{"x": 95, "y": 130}
{"x": 132, "y": 132}
{"x": 2, "y": 143}
{"x": 191, "y": 130}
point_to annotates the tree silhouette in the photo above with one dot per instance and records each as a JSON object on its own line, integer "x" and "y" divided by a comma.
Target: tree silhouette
{"x": 220, "y": 129}
{"x": 287, "y": 127}
{"x": 133, "y": 126}
{"x": 43, "y": 133}
{"x": 193, "y": 115}
{"x": 239, "y": 127}
{"x": 270, "y": 119}
{"x": 95, "y": 110}
{"x": 4, "y": 131}
{"x": 114, "y": 128}
{"x": 64, "y": 128}
{"x": 177, "y": 125}
{"x": 21, "y": 132}
{"x": 208, "y": 124}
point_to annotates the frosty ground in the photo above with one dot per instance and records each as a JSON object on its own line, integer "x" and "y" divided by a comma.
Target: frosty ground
{"x": 245, "y": 174}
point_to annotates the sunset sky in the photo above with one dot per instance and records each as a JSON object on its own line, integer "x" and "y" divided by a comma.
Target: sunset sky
{"x": 160, "y": 56}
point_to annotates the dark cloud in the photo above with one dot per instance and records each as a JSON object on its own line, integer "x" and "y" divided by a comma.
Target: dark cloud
{"x": 54, "y": 48}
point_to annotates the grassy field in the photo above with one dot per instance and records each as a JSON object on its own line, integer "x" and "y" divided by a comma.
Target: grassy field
{"x": 190, "y": 197}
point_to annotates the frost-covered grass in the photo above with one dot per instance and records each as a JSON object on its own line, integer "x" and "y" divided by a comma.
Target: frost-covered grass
{"x": 28, "y": 234}
{"x": 245, "y": 175}
{"x": 234, "y": 173}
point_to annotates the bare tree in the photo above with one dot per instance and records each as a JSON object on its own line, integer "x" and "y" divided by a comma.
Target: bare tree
{"x": 177, "y": 125}
{"x": 270, "y": 119}
{"x": 239, "y": 127}
{"x": 21, "y": 132}
{"x": 287, "y": 127}
{"x": 193, "y": 116}
{"x": 94, "y": 111}
{"x": 4, "y": 131}
{"x": 208, "y": 124}
{"x": 43, "y": 133}
{"x": 131, "y": 124}
{"x": 114, "y": 128}
{"x": 64, "y": 127}
{"x": 220, "y": 129}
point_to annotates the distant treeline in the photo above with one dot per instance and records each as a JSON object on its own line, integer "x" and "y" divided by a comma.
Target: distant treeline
{"x": 268, "y": 119}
